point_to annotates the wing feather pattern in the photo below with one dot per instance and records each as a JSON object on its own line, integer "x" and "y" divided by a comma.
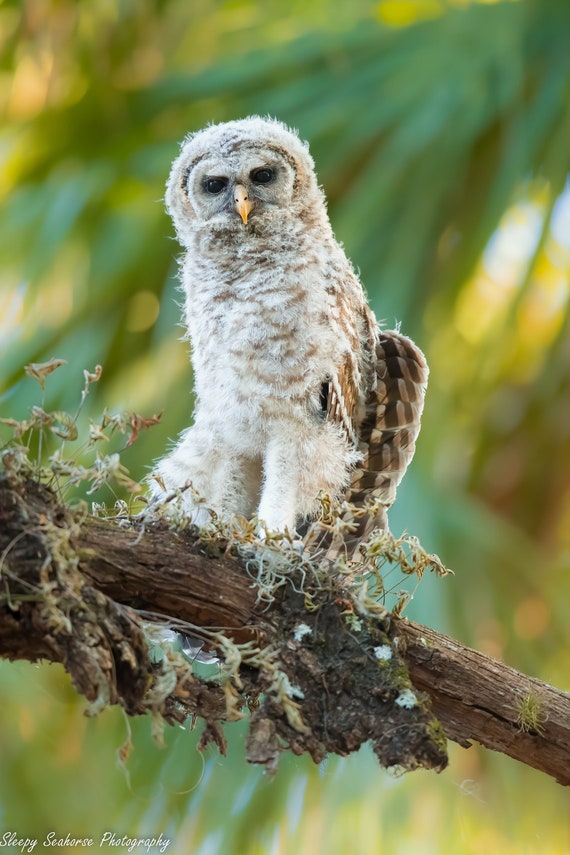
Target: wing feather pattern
{"x": 383, "y": 423}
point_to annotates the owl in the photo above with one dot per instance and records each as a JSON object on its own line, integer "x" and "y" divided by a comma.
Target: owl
{"x": 298, "y": 392}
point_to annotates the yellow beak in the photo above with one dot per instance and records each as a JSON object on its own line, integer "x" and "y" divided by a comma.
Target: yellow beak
{"x": 241, "y": 199}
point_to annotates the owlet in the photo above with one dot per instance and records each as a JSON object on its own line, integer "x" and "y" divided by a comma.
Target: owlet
{"x": 298, "y": 391}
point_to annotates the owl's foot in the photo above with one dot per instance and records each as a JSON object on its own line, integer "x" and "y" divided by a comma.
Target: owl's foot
{"x": 285, "y": 538}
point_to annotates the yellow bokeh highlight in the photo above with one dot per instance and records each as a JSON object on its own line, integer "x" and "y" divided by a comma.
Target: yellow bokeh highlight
{"x": 53, "y": 305}
{"x": 143, "y": 385}
{"x": 30, "y": 86}
{"x": 27, "y": 721}
{"x": 531, "y": 618}
{"x": 143, "y": 68}
{"x": 480, "y": 307}
{"x": 11, "y": 313}
{"x": 516, "y": 302}
{"x": 61, "y": 291}
{"x": 143, "y": 311}
{"x": 401, "y": 13}
{"x": 540, "y": 316}
{"x": 69, "y": 748}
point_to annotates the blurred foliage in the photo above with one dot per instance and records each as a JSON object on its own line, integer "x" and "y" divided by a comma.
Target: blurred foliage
{"x": 440, "y": 135}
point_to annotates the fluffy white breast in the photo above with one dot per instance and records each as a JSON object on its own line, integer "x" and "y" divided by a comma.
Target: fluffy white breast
{"x": 265, "y": 333}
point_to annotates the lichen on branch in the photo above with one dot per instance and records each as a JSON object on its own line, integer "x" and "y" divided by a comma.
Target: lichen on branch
{"x": 319, "y": 690}
{"x": 308, "y": 650}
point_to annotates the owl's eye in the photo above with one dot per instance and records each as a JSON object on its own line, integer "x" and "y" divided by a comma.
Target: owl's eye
{"x": 215, "y": 185}
{"x": 262, "y": 176}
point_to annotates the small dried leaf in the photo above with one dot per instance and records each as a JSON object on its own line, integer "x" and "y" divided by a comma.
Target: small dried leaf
{"x": 96, "y": 433}
{"x": 124, "y": 751}
{"x": 160, "y": 482}
{"x": 15, "y": 457}
{"x": 64, "y": 426}
{"x": 40, "y": 370}
{"x": 90, "y": 377}
{"x": 117, "y": 421}
{"x": 138, "y": 423}
{"x": 403, "y": 600}
{"x": 40, "y": 416}
{"x": 93, "y": 376}
{"x": 18, "y": 428}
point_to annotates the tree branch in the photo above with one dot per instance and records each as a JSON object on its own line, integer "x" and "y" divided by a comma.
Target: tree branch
{"x": 330, "y": 678}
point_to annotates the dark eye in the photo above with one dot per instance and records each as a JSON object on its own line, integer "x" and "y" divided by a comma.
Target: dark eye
{"x": 262, "y": 176}
{"x": 214, "y": 185}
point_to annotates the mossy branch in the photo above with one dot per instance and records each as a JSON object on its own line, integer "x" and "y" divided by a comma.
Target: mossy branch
{"x": 319, "y": 670}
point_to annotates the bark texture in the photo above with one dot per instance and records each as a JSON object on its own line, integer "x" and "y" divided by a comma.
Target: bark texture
{"x": 316, "y": 675}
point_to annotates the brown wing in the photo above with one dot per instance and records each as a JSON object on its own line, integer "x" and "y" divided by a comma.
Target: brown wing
{"x": 384, "y": 428}
{"x": 387, "y": 433}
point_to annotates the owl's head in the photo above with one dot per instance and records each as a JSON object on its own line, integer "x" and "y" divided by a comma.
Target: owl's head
{"x": 243, "y": 177}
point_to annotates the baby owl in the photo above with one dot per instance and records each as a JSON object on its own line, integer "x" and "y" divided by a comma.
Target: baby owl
{"x": 298, "y": 391}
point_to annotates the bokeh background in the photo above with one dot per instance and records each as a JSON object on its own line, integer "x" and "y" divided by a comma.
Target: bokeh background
{"x": 439, "y": 129}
